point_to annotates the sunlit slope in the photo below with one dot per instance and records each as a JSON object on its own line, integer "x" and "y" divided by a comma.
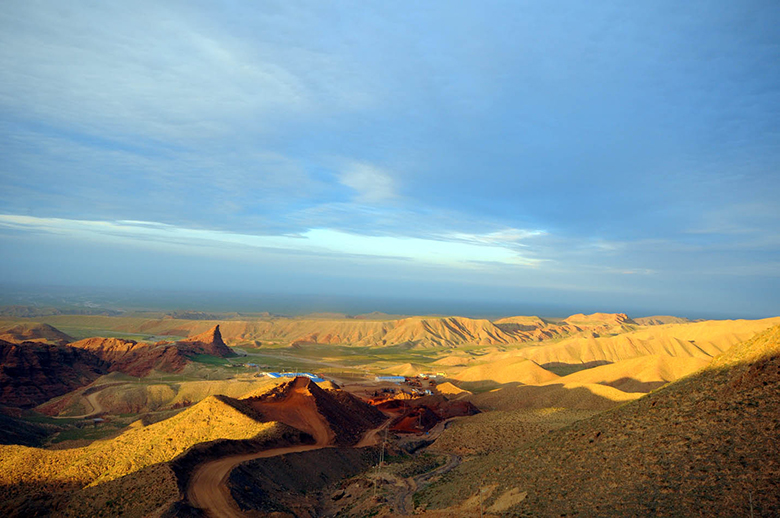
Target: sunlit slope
{"x": 446, "y": 332}
{"x": 216, "y": 417}
{"x": 405, "y": 369}
{"x": 132, "y": 398}
{"x": 698, "y": 340}
{"x": 578, "y": 396}
{"x": 705, "y": 445}
{"x": 33, "y": 332}
{"x": 641, "y": 374}
{"x": 448, "y": 389}
{"x": 507, "y": 371}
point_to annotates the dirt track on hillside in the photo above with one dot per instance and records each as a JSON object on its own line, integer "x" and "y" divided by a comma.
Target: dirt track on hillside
{"x": 208, "y": 487}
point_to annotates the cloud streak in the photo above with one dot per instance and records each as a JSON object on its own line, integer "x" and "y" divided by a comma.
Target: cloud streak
{"x": 317, "y": 241}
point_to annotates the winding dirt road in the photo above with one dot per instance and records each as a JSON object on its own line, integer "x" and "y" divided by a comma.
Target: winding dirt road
{"x": 208, "y": 487}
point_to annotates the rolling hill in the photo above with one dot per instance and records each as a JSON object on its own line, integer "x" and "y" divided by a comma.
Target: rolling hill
{"x": 705, "y": 445}
{"x": 514, "y": 370}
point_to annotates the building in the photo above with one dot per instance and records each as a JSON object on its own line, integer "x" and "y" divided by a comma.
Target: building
{"x": 392, "y": 379}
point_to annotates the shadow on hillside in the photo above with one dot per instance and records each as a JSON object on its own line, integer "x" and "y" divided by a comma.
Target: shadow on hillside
{"x": 564, "y": 369}
{"x": 516, "y": 396}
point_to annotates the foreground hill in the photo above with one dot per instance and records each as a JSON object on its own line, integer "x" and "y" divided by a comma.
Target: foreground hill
{"x": 28, "y": 473}
{"x": 706, "y": 445}
{"x": 298, "y": 410}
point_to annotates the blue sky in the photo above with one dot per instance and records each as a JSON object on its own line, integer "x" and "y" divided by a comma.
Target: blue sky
{"x": 609, "y": 156}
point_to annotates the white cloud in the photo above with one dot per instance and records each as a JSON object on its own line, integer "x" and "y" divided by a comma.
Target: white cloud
{"x": 323, "y": 241}
{"x": 371, "y": 183}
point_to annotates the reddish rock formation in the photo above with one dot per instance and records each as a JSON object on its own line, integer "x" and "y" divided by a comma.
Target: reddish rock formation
{"x": 134, "y": 358}
{"x": 31, "y": 372}
{"x": 300, "y": 403}
{"x": 139, "y": 358}
{"x": 209, "y": 342}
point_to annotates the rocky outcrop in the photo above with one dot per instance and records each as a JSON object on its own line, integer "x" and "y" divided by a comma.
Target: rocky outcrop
{"x": 140, "y": 358}
{"x": 135, "y": 358}
{"x": 209, "y": 342}
{"x": 32, "y": 373}
{"x": 300, "y": 403}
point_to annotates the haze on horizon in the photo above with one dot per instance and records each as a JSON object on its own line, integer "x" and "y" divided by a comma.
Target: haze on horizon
{"x": 608, "y": 157}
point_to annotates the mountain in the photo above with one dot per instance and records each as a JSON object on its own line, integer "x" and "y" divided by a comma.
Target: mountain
{"x": 18, "y": 431}
{"x": 139, "y": 358}
{"x": 35, "y": 332}
{"x": 641, "y": 374}
{"x": 514, "y": 370}
{"x": 330, "y": 416}
{"x": 135, "y": 358}
{"x": 705, "y": 340}
{"x": 603, "y": 319}
{"x": 209, "y": 342}
{"x": 32, "y": 372}
{"x": 705, "y": 445}
{"x": 660, "y": 320}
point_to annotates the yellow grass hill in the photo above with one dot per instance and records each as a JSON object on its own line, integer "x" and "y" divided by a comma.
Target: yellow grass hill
{"x": 641, "y": 374}
{"x": 705, "y": 445}
{"x": 516, "y": 370}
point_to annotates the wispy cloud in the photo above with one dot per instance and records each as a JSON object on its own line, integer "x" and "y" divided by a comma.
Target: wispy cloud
{"x": 454, "y": 254}
{"x": 371, "y": 183}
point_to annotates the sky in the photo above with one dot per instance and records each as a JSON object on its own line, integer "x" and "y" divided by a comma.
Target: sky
{"x": 613, "y": 156}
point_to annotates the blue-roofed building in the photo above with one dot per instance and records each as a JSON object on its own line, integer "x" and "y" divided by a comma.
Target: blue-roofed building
{"x": 392, "y": 379}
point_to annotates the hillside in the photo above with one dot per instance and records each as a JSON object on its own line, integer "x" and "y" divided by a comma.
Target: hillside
{"x": 577, "y": 396}
{"x": 33, "y": 372}
{"x": 697, "y": 340}
{"x": 34, "y": 332}
{"x": 660, "y": 320}
{"x": 641, "y": 374}
{"x": 116, "y": 398}
{"x": 330, "y": 416}
{"x": 706, "y": 445}
{"x": 515, "y": 370}
{"x": 139, "y": 358}
{"x": 25, "y": 472}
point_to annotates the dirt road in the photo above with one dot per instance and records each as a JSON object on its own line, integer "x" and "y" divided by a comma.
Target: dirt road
{"x": 97, "y": 408}
{"x": 402, "y": 501}
{"x": 208, "y": 487}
